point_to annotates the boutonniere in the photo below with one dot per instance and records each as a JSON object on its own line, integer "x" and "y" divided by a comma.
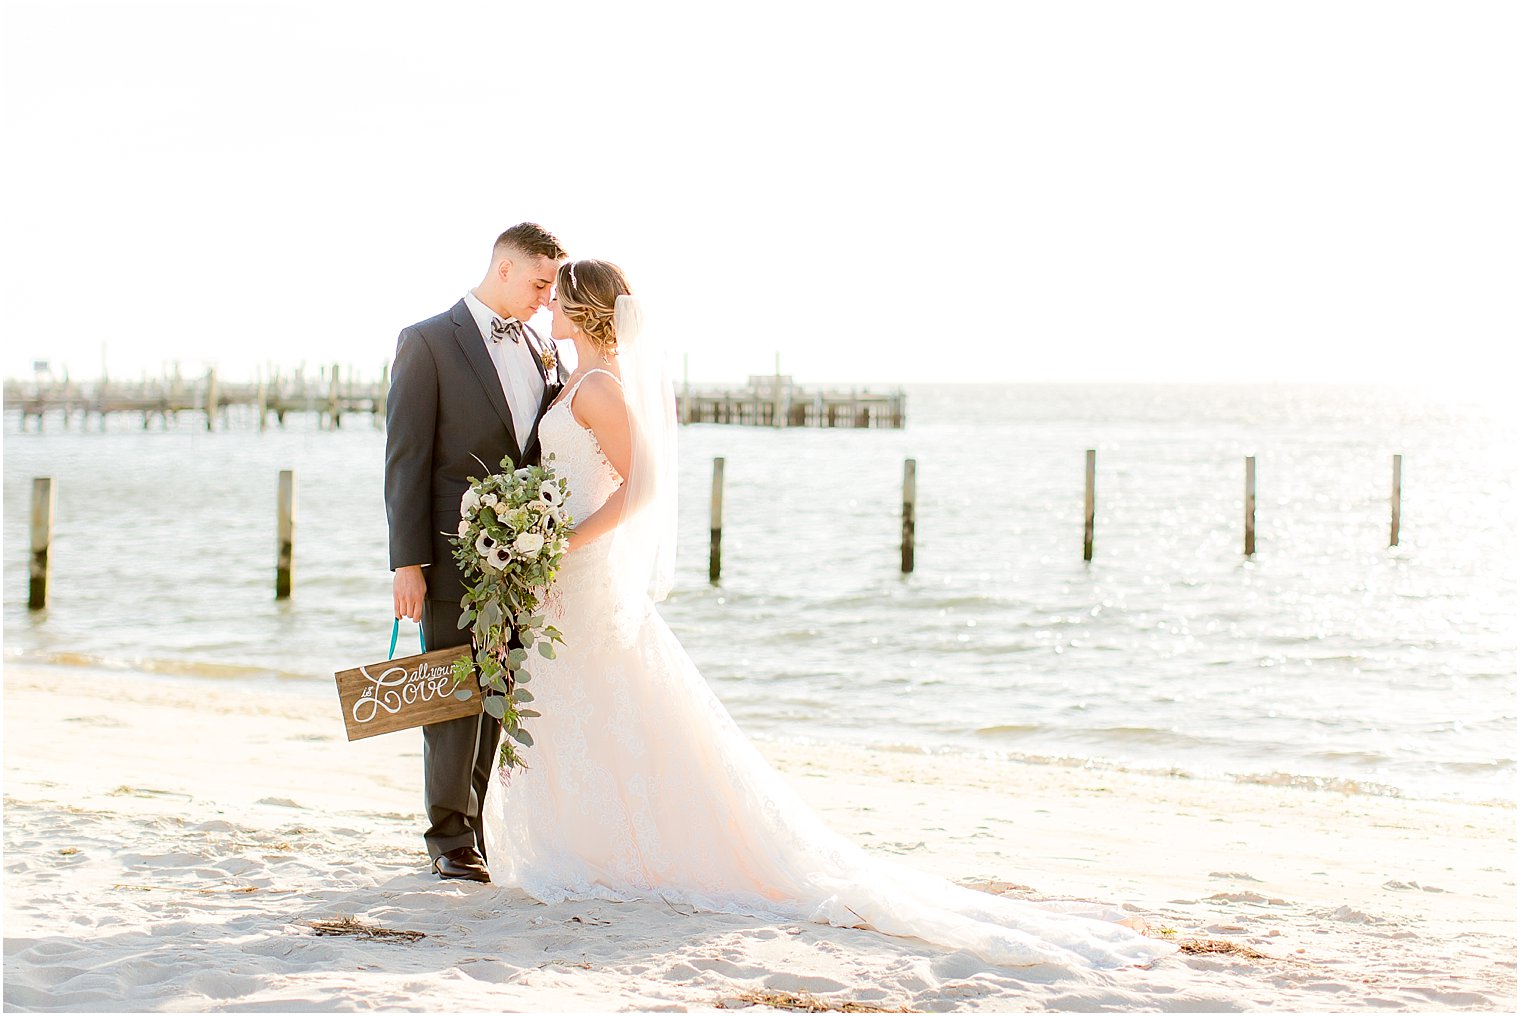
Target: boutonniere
{"x": 546, "y": 353}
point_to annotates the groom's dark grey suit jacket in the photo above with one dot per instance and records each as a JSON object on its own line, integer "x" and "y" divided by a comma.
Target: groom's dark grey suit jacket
{"x": 445, "y": 415}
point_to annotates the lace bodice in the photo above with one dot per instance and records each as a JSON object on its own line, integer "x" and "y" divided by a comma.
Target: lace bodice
{"x": 578, "y": 457}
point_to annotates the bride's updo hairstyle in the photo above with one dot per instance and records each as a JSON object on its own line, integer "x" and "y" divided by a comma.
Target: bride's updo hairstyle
{"x": 587, "y": 292}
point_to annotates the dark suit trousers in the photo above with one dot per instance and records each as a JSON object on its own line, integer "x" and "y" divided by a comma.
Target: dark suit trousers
{"x": 458, "y": 756}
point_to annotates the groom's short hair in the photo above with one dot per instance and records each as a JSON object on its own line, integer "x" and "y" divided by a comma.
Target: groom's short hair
{"x": 528, "y": 239}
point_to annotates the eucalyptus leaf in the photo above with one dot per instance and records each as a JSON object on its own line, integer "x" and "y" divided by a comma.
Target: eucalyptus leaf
{"x": 546, "y": 650}
{"x": 463, "y": 694}
{"x": 521, "y": 677}
{"x": 517, "y": 657}
{"x": 522, "y": 695}
{"x": 529, "y": 713}
{"x": 522, "y": 737}
{"x": 495, "y": 707}
{"x": 465, "y": 620}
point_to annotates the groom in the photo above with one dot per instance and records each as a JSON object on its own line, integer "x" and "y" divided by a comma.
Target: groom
{"x": 468, "y": 386}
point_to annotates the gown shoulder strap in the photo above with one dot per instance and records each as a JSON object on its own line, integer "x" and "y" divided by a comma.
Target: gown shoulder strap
{"x": 569, "y": 395}
{"x": 599, "y": 370}
{"x": 595, "y": 370}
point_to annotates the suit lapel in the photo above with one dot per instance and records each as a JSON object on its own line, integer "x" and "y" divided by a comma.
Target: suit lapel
{"x": 554, "y": 382}
{"x": 467, "y": 335}
{"x": 535, "y": 348}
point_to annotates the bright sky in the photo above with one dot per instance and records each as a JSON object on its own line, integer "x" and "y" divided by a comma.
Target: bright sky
{"x": 1066, "y": 191}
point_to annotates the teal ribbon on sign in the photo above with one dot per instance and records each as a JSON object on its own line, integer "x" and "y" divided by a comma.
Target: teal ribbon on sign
{"x": 396, "y": 630}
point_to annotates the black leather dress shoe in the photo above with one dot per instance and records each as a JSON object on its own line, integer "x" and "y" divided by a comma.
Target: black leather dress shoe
{"x": 465, "y": 863}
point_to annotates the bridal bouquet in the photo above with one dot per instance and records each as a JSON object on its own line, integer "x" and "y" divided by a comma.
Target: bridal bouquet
{"x": 513, "y": 532}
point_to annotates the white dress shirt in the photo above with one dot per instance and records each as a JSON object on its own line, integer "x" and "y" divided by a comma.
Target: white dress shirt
{"x": 516, "y": 369}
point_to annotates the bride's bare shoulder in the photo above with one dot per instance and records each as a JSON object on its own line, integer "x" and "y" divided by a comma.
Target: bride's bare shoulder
{"x": 598, "y": 399}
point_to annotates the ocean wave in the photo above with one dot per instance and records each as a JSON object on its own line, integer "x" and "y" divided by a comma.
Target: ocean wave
{"x": 1296, "y": 781}
{"x": 168, "y": 667}
{"x": 1478, "y": 768}
{"x": 1013, "y": 729}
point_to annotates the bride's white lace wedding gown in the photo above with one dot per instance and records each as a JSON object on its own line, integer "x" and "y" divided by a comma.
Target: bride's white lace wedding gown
{"x": 640, "y": 786}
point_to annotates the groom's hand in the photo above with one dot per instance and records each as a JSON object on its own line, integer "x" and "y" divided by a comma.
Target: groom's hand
{"x": 409, "y": 588}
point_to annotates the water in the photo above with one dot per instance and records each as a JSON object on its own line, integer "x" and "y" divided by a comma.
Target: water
{"x": 1330, "y": 659}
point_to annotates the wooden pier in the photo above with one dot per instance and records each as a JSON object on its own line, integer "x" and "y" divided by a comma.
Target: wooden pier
{"x": 333, "y": 393}
{"x": 773, "y": 400}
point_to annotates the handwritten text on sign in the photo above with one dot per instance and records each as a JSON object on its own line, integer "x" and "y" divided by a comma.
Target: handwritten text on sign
{"x": 409, "y": 692}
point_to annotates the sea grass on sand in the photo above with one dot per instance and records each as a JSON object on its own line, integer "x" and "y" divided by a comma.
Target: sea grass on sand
{"x": 347, "y": 925}
{"x": 799, "y": 1001}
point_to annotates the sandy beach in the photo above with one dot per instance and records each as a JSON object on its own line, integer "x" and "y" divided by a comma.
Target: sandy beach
{"x": 169, "y": 845}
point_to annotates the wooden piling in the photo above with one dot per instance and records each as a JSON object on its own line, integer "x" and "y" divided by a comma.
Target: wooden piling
{"x": 42, "y": 541}
{"x": 1397, "y": 499}
{"x": 909, "y": 511}
{"x": 685, "y": 388}
{"x": 1089, "y": 502}
{"x": 285, "y": 541}
{"x": 332, "y": 399}
{"x": 382, "y": 395}
{"x": 778, "y": 407}
{"x": 263, "y": 403}
{"x": 715, "y": 545}
{"x": 1250, "y": 505}
{"x": 211, "y": 397}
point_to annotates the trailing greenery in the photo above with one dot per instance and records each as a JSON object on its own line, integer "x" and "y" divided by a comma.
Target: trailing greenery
{"x": 513, "y": 532}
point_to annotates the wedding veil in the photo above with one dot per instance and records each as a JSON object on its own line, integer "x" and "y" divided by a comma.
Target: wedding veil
{"x": 644, "y": 543}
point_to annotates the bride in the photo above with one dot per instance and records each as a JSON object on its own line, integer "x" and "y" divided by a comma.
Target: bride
{"x": 639, "y": 784}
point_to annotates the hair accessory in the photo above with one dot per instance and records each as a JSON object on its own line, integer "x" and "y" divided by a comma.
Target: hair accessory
{"x": 573, "y": 283}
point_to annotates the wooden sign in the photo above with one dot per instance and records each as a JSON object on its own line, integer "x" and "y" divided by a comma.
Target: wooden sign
{"x": 410, "y": 692}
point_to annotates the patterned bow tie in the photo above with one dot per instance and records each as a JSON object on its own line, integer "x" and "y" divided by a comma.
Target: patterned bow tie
{"x": 511, "y": 329}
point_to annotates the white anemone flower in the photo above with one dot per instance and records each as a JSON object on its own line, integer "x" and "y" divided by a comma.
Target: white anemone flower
{"x": 464, "y": 528}
{"x": 548, "y": 492}
{"x": 469, "y": 503}
{"x": 528, "y": 544}
{"x": 484, "y": 544}
{"x": 488, "y": 499}
{"x": 499, "y": 557}
{"x": 523, "y": 474}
